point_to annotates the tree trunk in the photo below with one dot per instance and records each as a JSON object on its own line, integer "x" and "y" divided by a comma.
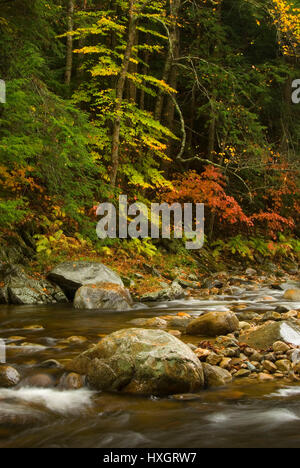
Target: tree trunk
{"x": 69, "y": 55}
{"x": 120, "y": 93}
{"x": 173, "y": 38}
{"x": 133, "y": 68}
{"x": 144, "y": 72}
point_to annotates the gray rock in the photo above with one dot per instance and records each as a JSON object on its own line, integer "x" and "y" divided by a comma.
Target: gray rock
{"x": 288, "y": 285}
{"x": 21, "y": 289}
{"x": 213, "y": 324}
{"x": 175, "y": 291}
{"x": 264, "y": 336}
{"x": 295, "y": 356}
{"x": 102, "y": 296}
{"x": 70, "y": 276}
{"x": 148, "y": 362}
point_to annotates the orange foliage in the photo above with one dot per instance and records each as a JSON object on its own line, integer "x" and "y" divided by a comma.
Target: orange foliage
{"x": 210, "y": 188}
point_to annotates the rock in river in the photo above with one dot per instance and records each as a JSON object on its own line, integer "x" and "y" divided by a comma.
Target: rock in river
{"x": 70, "y": 276}
{"x": 9, "y": 376}
{"x": 264, "y": 336}
{"x": 19, "y": 288}
{"x": 139, "y": 361}
{"x": 175, "y": 291}
{"x": 103, "y": 296}
{"x": 216, "y": 376}
{"x": 213, "y": 324}
{"x": 292, "y": 295}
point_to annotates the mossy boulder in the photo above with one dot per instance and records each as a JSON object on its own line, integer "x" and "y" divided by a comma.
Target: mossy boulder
{"x": 139, "y": 361}
{"x": 21, "y": 289}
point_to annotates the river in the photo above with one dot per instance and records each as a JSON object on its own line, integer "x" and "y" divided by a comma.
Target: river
{"x": 244, "y": 414}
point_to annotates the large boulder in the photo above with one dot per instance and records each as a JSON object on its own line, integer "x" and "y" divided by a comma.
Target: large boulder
{"x": 103, "y": 296}
{"x": 139, "y": 361}
{"x": 19, "y": 288}
{"x": 70, "y": 276}
{"x": 263, "y": 337}
{"x": 292, "y": 295}
{"x": 213, "y": 324}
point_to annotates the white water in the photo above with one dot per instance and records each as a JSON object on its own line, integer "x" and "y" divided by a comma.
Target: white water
{"x": 63, "y": 402}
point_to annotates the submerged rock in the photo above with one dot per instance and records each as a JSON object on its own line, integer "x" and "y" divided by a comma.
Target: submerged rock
{"x": 38, "y": 381}
{"x": 266, "y": 335}
{"x": 70, "y": 276}
{"x": 103, "y": 296}
{"x": 9, "y": 376}
{"x": 154, "y": 322}
{"x": 139, "y": 361}
{"x": 213, "y": 324}
{"x": 21, "y": 289}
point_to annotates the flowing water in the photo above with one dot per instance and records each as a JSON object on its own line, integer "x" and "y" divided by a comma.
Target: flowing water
{"x": 244, "y": 414}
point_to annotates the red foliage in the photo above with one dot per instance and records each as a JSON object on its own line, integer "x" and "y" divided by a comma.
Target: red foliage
{"x": 208, "y": 188}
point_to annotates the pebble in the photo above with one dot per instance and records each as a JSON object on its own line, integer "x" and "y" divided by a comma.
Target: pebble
{"x": 263, "y": 377}
{"x": 74, "y": 340}
{"x": 202, "y": 353}
{"x": 34, "y": 327}
{"x": 269, "y": 366}
{"x": 283, "y": 365}
{"x": 175, "y": 332}
{"x": 214, "y": 359}
{"x": 280, "y": 347}
{"x": 242, "y": 373}
{"x": 225, "y": 363}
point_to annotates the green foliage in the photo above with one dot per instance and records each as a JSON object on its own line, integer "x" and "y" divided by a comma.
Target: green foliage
{"x": 249, "y": 248}
{"x": 222, "y": 70}
{"x": 142, "y": 247}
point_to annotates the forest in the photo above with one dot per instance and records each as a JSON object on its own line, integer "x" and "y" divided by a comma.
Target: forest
{"x": 176, "y": 101}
